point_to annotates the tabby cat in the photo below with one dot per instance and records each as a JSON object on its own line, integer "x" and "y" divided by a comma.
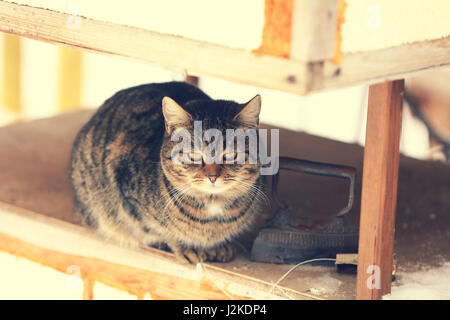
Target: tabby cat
{"x": 128, "y": 188}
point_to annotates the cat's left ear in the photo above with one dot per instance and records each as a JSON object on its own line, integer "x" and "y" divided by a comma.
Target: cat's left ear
{"x": 174, "y": 114}
{"x": 249, "y": 115}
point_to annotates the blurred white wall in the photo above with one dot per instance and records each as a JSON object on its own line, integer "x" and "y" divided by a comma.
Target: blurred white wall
{"x": 338, "y": 114}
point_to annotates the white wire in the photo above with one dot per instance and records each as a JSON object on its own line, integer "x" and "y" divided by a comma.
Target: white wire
{"x": 294, "y": 267}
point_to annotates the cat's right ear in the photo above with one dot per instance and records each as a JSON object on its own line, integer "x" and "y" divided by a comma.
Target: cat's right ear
{"x": 249, "y": 115}
{"x": 174, "y": 114}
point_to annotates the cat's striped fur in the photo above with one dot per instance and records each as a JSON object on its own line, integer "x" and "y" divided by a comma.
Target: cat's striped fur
{"x": 127, "y": 187}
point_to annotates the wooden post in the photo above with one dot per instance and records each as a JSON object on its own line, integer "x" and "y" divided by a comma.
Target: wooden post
{"x": 379, "y": 190}
{"x": 11, "y": 95}
{"x": 70, "y": 79}
{"x": 88, "y": 288}
{"x": 192, "y": 80}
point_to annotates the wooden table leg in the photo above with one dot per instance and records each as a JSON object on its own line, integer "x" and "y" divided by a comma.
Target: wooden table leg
{"x": 192, "y": 80}
{"x": 379, "y": 190}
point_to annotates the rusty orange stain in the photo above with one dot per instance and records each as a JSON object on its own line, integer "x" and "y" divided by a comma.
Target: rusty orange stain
{"x": 276, "y": 39}
{"x": 338, "y": 55}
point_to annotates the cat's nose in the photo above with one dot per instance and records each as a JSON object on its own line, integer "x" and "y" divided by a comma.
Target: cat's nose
{"x": 212, "y": 177}
{"x": 212, "y": 171}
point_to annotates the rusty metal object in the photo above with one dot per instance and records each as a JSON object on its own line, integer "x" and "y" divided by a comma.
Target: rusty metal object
{"x": 286, "y": 238}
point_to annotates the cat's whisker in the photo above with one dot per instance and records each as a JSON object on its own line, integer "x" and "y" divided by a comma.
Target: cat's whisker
{"x": 249, "y": 185}
{"x": 256, "y": 191}
{"x": 169, "y": 200}
{"x": 260, "y": 195}
{"x": 172, "y": 191}
{"x": 184, "y": 193}
{"x": 177, "y": 195}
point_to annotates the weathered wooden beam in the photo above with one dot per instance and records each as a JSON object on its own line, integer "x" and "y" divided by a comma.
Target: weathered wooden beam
{"x": 126, "y": 278}
{"x": 172, "y": 52}
{"x": 307, "y": 69}
{"x": 382, "y": 65}
{"x": 59, "y": 245}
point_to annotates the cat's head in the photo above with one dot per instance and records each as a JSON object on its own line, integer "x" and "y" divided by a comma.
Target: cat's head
{"x": 221, "y": 164}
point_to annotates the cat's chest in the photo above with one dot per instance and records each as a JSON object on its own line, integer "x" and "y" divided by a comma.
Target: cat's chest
{"x": 214, "y": 209}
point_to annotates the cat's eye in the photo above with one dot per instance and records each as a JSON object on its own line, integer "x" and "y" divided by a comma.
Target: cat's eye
{"x": 232, "y": 156}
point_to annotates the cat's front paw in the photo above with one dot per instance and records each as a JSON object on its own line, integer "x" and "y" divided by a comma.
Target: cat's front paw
{"x": 223, "y": 253}
{"x": 187, "y": 255}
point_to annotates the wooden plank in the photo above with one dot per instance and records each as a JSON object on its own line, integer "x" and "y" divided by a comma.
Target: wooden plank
{"x": 384, "y": 64}
{"x": 201, "y": 58}
{"x": 176, "y": 53}
{"x": 55, "y": 243}
{"x": 379, "y": 190}
{"x": 202, "y": 20}
{"x": 192, "y": 80}
{"x": 135, "y": 281}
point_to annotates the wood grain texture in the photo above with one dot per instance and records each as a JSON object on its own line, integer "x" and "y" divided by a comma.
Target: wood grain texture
{"x": 379, "y": 189}
{"x": 168, "y": 51}
{"x": 199, "y": 58}
{"x": 384, "y": 64}
{"x": 59, "y": 244}
{"x": 135, "y": 281}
